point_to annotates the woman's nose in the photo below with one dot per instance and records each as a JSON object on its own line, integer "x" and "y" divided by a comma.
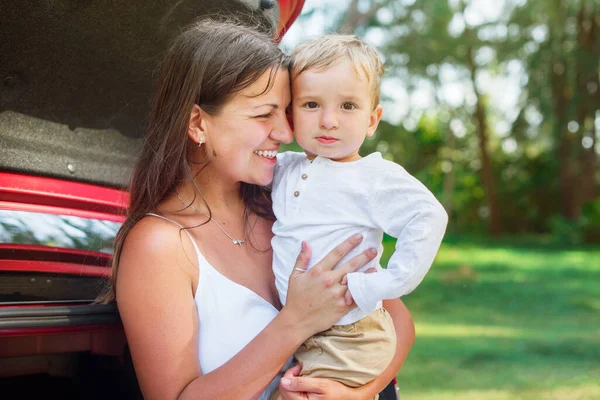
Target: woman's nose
{"x": 282, "y": 132}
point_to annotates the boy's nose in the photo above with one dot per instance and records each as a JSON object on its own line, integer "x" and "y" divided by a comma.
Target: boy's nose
{"x": 329, "y": 120}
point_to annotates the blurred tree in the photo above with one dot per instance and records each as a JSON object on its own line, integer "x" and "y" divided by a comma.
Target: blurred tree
{"x": 355, "y": 19}
{"x": 424, "y": 38}
{"x": 558, "y": 42}
{"x": 500, "y": 168}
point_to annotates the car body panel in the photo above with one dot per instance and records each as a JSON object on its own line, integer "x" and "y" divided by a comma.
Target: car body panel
{"x": 76, "y": 83}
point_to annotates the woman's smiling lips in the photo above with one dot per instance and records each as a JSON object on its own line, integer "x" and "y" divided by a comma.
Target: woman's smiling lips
{"x": 269, "y": 155}
{"x": 326, "y": 139}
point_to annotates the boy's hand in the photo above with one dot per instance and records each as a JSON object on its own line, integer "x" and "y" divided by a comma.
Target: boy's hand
{"x": 348, "y": 295}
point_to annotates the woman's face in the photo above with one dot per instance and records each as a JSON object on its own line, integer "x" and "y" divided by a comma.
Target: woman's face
{"x": 247, "y": 132}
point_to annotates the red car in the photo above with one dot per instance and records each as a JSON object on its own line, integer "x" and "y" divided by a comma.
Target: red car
{"x": 75, "y": 86}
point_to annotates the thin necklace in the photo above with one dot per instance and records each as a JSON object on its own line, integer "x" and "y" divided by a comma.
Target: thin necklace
{"x": 233, "y": 240}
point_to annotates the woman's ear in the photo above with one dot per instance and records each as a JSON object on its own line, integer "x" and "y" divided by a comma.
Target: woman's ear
{"x": 374, "y": 120}
{"x": 197, "y": 125}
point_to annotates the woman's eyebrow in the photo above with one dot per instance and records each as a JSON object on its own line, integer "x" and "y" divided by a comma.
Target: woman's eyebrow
{"x": 275, "y": 106}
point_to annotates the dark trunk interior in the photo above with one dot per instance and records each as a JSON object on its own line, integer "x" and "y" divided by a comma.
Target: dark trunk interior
{"x": 76, "y": 79}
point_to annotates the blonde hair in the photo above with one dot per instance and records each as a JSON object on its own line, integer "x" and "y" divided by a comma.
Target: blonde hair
{"x": 326, "y": 50}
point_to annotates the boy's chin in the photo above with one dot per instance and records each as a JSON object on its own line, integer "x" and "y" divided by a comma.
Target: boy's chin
{"x": 310, "y": 155}
{"x": 332, "y": 155}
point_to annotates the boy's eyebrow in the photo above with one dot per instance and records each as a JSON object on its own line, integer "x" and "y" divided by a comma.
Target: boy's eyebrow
{"x": 347, "y": 97}
{"x": 308, "y": 96}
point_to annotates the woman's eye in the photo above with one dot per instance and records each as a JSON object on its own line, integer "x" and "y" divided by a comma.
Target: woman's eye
{"x": 264, "y": 115}
{"x": 348, "y": 106}
{"x": 311, "y": 104}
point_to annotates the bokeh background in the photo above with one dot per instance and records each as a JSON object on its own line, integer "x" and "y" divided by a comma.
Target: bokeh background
{"x": 495, "y": 106}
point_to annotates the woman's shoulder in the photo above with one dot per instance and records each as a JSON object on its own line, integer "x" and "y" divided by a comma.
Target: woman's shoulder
{"x": 153, "y": 234}
{"x": 155, "y": 245}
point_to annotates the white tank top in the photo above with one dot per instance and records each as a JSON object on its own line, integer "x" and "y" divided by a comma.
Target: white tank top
{"x": 230, "y": 316}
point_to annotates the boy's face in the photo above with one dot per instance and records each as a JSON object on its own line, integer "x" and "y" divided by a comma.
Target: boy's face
{"x": 333, "y": 111}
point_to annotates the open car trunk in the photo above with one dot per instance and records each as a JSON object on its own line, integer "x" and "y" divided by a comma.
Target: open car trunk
{"x": 76, "y": 82}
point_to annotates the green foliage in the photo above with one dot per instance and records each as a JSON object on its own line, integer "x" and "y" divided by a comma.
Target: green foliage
{"x": 505, "y": 319}
{"x": 585, "y": 229}
{"x": 553, "y": 45}
{"x": 566, "y": 231}
{"x": 591, "y": 222}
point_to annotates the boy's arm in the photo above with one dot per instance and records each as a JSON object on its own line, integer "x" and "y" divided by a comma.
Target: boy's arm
{"x": 405, "y": 209}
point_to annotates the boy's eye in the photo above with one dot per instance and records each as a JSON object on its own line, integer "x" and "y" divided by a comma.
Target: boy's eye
{"x": 311, "y": 104}
{"x": 348, "y": 106}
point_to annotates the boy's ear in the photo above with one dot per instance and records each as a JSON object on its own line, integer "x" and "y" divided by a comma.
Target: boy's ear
{"x": 197, "y": 124}
{"x": 374, "y": 120}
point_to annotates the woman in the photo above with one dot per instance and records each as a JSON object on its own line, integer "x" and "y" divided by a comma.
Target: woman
{"x": 192, "y": 268}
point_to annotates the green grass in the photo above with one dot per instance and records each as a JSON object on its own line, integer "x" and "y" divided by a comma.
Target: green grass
{"x": 505, "y": 321}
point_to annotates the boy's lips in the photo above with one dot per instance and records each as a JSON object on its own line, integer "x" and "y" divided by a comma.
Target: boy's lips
{"x": 326, "y": 139}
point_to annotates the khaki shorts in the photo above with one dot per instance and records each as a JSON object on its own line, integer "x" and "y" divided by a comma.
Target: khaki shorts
{"x": 352, "y": 354}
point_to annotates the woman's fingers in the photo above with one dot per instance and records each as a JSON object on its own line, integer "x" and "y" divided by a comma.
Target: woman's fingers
{"x": 303, "y": 384}
{"x": 302, "y": 260}
{"x": 348, "y": 298}
{"x": 293, "y": 371}
{"x": 356, "y": 262}
{"x": 369, "y": 271}
{"x": 316, "y": 298}
{"x": 334, "y": 256}
{"x": 287, "y": 394}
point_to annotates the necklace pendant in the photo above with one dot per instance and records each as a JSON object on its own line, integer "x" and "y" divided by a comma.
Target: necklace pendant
{"x": 240, "y": 242}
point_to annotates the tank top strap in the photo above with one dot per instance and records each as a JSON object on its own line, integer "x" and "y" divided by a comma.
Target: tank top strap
{"x": 198, "y": 254}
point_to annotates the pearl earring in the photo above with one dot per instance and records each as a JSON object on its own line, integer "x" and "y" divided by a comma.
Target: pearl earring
{"x": 201, "y": 141}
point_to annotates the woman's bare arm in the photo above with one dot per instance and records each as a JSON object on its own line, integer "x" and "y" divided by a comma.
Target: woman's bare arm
{"x": 156, "y": 302}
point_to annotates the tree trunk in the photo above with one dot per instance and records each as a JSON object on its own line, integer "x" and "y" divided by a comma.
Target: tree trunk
{"x": 587, "y": 99}
{"x": 353, "y": 18}
{"x": 449, "y": 177}
{"x": 565, "y": 141}
{"x": 495, "y": 225}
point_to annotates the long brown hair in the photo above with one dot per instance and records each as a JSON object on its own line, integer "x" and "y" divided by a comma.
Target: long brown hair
{"x": 208, "y": 63}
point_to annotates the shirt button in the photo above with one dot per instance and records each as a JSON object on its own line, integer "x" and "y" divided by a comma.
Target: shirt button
{"x": 304, "y": 176}
{"x": 296, "y": 193}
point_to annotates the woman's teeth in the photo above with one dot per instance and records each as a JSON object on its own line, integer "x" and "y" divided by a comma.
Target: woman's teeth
{"x": 266, "y": 153}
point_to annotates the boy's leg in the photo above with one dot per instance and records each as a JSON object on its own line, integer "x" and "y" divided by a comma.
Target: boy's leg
{"x": 351, "y": 354}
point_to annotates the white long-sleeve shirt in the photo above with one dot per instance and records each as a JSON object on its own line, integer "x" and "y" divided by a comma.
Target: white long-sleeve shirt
{"x": 324, "y": 202}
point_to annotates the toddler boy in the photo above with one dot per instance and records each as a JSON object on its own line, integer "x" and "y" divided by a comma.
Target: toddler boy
{"x": 328, "y": 193}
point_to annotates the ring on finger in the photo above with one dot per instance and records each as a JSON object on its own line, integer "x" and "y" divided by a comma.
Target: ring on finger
{"x": 299, "y": 269}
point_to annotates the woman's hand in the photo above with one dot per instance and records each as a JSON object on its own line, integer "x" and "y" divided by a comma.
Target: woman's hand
{"x": 294, "y": 387}
{"x": 316, "y": 298}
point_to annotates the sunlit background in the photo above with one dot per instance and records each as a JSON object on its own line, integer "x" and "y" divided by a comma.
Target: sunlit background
{"x": 495, "y": 106}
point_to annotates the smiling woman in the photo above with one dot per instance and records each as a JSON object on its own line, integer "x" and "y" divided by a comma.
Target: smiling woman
{"x": 203, "y": 304}
{"x": 242, "y": 138}
{"x": 70, "y": 127}
{"x": 202, "y": 295}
